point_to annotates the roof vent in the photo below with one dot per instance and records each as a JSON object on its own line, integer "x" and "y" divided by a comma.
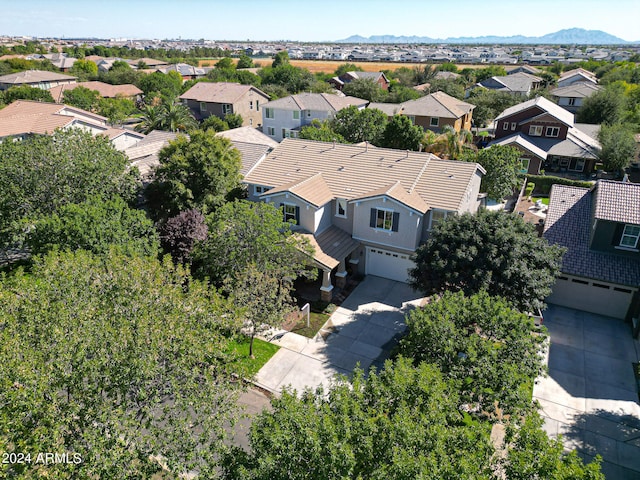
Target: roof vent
{"x": 341, "y": 168}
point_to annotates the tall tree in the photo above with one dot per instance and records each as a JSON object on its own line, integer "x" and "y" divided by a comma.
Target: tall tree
{"x": 84, "y": 69}
{"x": 356, "y": 125}
{"x": 281, "y": 58}
{"x": 502, "y": 164}
{"x": 245, "y": 61}
{"x": 25, "y": 92}
{"x": 113, "y": 360}
{"x": 196, "y": 172}
{"x": 491, "y": 251}
{"x": 400, "y": 133}
{"x": 81, "y": 97}
{"x": 618, "y": 146}
{"x": 605, "y": 106}
{"x": 365, "y": 88}
{"x": 179, "y": 234}
{"x": 451, "y": 144}
{"x": 321, "y": 131}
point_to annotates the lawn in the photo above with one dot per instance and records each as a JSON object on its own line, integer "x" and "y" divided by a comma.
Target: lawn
{"x": 247, "y": 367}
{"x": 545, "y": 200}
{"x": 316, "y": 320}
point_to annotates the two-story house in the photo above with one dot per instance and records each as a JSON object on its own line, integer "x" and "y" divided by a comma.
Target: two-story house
{"x": 36, "y": 79}
{"x": 220, "y": 98}
{"x": 600, "y": 227}
{"x": 519, "y": 84}
{"x": 283, "y": 118}
{"x": 548, "y": 137}
{"x": 379, "y": 78}
{"x": 364, "y": 209}
{"x": 435, "y": 111}
{"x": 571, "y": 96}
{"x": 578, "y": 75}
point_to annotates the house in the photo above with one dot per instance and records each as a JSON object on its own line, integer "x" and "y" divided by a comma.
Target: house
{"x": 600, "y": 227}
{"x": 548, "y": 137}
{"x": 519, "y": 84}
{"x": 571, "y": 96}
{"x": 364, "y": 209}
{"x": 35, "y": 78}
{"x": 284, "y": 117}
{"x": 205, "y": 99}
{"x": 188, "y": 72}
{"x": 524, "y": 69}
{"x": 578, "y": 75}
{"x": 60, "y": 60}
{"x": 378, "y": 78}
{"x": 144, "y": 155}
{"x": 105, "y": 90}
{"x": 252, "y": 144}
{"x": 436, "y": 110}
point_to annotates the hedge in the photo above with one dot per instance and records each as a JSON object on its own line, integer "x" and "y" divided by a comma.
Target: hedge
{"x": 544, "y": 182}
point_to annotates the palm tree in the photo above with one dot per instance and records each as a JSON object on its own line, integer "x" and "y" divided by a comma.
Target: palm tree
{"x": 150, "y": 119}
{"x": 176, "y": 117}
{"x": 450, "y": 143}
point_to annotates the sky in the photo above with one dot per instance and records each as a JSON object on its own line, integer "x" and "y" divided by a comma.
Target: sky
{"x": 308, "y": 21}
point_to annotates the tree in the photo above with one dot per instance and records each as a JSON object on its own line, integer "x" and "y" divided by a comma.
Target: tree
{"x": 214, "y": 123}
{"x": 320, "y": 131}
{"x": 225, "y": 64}
{"x": 25, "y": 92}
{"x": 166, "y": 85}
{"x": 451, "y": 143}
{"x": 488, "y": 350}
{"x": 491, "y": 251}
{"x": 199, "y": 172}
{"x": 604, "y": 106}
{"x": 115, "y": 360}
{"x": 233, "y": 120}
{"x": 618, "y": 146}
{"x": 502, "y": 164}
{"x": 84, "y": 69}
{"x": 96, "y": 225}
{"x": 489, "y": 104}
{"x": 488, "y": 72}
{"x": 116, "y": 109}
{"x": 402, "y": 423}
{"x": 244, "y": 61}
{"x": 41, "y": 174}
{"x": 293, "y": 79}
{"x": 347, "y": 67}
{"x": 402, "y": 134}
{"x": 364, "y": 88}
{"x": 281, "y": 58}
{"x": 179, "y": 234}
{"x": 356, "y": 125}
{"x": 176, "y": 117}
{"x": 81, "y": 97}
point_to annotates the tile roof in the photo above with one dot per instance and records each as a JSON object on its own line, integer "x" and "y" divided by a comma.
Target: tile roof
{"x": 390, "y": 109}
{"x": 617, "y": 201}
{"x": 313, "y": 190}
{"x": 331, "y": 245}
{"x": 437, "y": 104}
{"x": 324, "y": 102}
{"x": 516, "y": 82}
{"x": 568, "y": 224}
{"x": 248, "y": 135}
{"x": 523, "y": 141}
{"x": 542, "y": 103}
{"x": 105, "y": 90}
{"x": 395, "y": 191}
{"x": 351, "y": 171}
{"x": 218, "y": 92}
{"x": 576, "y": 90}
{"x": 250, "y": 154}
{"x": 33, "y": 76}
{"x": 578, "y": 71}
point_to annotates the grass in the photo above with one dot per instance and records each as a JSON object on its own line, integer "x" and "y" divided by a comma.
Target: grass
{"x": 245, "y": 366}
{"x": 545, "y": 200}
{"x": 316, "y": 320}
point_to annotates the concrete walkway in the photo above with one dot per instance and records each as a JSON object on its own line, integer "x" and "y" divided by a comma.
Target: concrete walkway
{"x": 590, "y": 396}
{"x": 362, "y": 331}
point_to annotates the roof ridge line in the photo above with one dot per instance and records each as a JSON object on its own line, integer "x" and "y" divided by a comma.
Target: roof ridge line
{"x": 419, "y": 176}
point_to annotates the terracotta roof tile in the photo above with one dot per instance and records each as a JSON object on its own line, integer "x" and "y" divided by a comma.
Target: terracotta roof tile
{"x": 218, "y": 92}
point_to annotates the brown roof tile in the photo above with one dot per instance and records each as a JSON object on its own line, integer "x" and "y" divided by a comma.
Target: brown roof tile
{"x": 617, "y": 201}
{"x": 218, "y": 92}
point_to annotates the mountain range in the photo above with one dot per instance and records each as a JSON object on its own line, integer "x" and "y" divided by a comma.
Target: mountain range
{"x": 577, "y": 36}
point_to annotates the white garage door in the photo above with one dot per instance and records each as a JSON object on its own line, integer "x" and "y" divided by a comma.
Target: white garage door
{"x": 591, "y": 296}
{"x": 387, "y": 264}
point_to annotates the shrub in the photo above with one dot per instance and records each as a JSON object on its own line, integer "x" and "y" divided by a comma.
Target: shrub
{"x": 543, "y": 183}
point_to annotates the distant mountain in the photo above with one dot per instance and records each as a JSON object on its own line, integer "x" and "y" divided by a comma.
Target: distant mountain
{"x": 578, "y": 36}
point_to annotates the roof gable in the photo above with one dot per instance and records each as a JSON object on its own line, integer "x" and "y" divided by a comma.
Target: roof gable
{"x": 219, "y": 92}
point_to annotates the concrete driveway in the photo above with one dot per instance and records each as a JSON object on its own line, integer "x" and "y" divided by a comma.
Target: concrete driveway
{"x": 590, "y": 396}
{"x": 363, "y": 330}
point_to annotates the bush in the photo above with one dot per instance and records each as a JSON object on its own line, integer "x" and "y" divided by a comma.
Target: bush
{"x": 543, "y": 183}
{"x": 529, "y": 190}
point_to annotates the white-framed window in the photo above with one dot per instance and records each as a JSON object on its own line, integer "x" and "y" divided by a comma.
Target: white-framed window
{"x": 203, "y": 106}
{"x": 436, "y": 217}
{"x": 513, "y": 125}
{"x": 535, "y": 130}
{"x": 412, "y": 118}
{"x": 227, "y": 108}
{"x": 289, "y": 212}
{"x": 505, "y": 126}
{"x": 250, "y": 104}
{"x": 552, "y": 131}
{"x": 259, "y": 189}
{"x": 296, "y": 114}
{"x": 524, "y": 164}
{"x": 384, "y": 219}
{"x": 271, "y": 131}
{"x": 341, "y": 207}
{"x": 268, "y": 112}
{"x": 630, "y": 236}
{"x": 434, "y": 121}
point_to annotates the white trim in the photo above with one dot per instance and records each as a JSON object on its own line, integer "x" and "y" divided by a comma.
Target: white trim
{"x": 372, "y": 243}
{"x": 357, "y": 202}
{"x": 446, "y": 214}
{"x": 284, "y": 211}
{"x": 635, "y": 236}
{"x": 346, "y": 205}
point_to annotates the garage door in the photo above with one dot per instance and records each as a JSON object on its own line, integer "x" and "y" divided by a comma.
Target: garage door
{"x": 388, "y": 264}
{"x": 591, "y": 296}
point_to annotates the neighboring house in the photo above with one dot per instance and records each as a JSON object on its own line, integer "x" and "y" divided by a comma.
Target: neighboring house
{"x": 436, "y": 110}
{"x": 525, "y": 69}
{"x": 578, "y": 75}
{"x": 105, "y": 90}
{"x": 449, "y": 76}
{"x": 519, "y": 84}
{"x": 571, "y": 97}
{"x": 144, "y": 155}
{"x": 35, "y": 78}
{"x": 188, "y": 72}
{"x": 284, "y": 117}
{"x": 364, "y": 209}
{"x": 206, "y": 98}
{"x": 377, "y": 77}
{"x": 252, "y": 144}
{"x": 24, "y": 118}
{"x": 548, "y": 137}
{"x": 600, "y": 227}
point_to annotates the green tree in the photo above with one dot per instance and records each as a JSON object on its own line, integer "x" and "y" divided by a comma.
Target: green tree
{"x": 402, "y": 134}
{"x": 214, "y": 123}
{"x": 281, "y": 58}
{"x": 347, "y": 67}
{"x": 225, "y": 64}
{"x": 448, "y": 67}
{"x": 356, "y": 125}
{"x": 402, "y": 423}
{"x": 96, "y": 225}
{"x": 451, "y": 143}
{"x": 293, "y": 79}
{"x": 489, "y": 104}
{"x": 116, "y": 109}
{"x": 176, "y": 117}
{"x": 166, "y": 85}
{"x": 196, "y": 172}
{"x": 113, "y": 359}
{"x": 81, "y": 97}
{"x": 364, "y": 88}
{"x": 618, "y": 146}
{"x": 604, "y": 106}
{"x": 502, "y": 164}
{"x": 245, "y": 61}
{"x": 41, "y": 174}
{"x": 233, "y": 120}
{"x": 488, "y": 72}
{"x": 25, "y": 92}
{"x": 84, "y": 69}
{"x": 491, "y": 251}
{"x": 489, "y": 351}
{"x": 320, "y": 131}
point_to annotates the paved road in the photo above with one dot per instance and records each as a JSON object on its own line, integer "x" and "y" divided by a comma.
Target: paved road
{"x": 590, "y": 396}
{"x": 363, "y": 330}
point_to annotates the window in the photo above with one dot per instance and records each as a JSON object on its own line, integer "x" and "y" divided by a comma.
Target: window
{"x": 505, "y": 126}
{"x": 513, "y": 125}
{"x": 226, "y": 108}
{"x": 434, "y": 122}
{"x": 251, "y": 121}
{"x": 382, "y": 219}
{"x": 552, "y": 131}
{"x": 535, "y": 130}
{"x": 268, "y": 112}
{"x": 571, "y": 101}
{"x": 271, "y": 131}
{"x": 203, "y": 107}
{"x": 630, "y": 236}
{"x": 341, "y": 207}
{"x": 436, "y": 217}
{"x": 290, "y": 213}
{"x": 250, "y": 104}
{"x": 259, "y": 189}
{"x": 257, "y": 105}
{"x": 524, "y": 165}
{"x": 308, "y": 113}
{"x": 296, "y": 114}
{"x": 412, "y": 118}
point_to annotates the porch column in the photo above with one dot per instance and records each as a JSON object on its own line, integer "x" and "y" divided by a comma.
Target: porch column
{"x": 341, "y": 275}
{"x": 354, "y": 262}
{"x": 326, "y": 290}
